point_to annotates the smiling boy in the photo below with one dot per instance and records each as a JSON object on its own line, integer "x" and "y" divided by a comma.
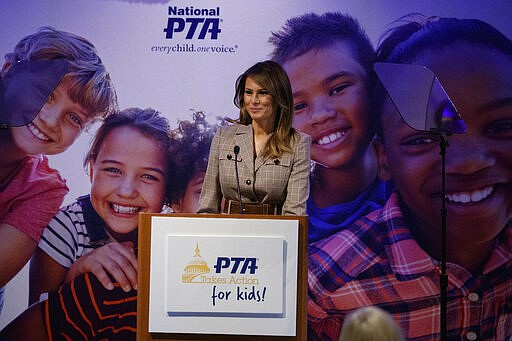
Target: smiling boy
{"x": 53, "y": 85}
{"x": 328, "y": 59}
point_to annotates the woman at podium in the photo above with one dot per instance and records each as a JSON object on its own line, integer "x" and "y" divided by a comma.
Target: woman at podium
{"x": 259, "y": 164}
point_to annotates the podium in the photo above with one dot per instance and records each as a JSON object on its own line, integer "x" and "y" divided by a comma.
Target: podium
{"x": 222, "y": 277}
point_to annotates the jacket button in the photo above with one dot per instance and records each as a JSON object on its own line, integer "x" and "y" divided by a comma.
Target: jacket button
{"x": 276, "y": 161}
{"x": 247, "y": 182}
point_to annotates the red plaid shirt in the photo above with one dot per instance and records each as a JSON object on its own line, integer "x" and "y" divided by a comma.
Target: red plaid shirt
{"x": 377, "y": 262}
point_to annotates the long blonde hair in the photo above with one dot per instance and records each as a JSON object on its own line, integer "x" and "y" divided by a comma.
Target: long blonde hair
{"x": 271, "y": 76}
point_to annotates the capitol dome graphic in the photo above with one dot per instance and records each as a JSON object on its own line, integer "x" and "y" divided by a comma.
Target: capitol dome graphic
{"x": 197, "y": 266}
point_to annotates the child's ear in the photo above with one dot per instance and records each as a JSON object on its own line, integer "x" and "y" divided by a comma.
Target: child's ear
{"x": 383, "y": 171}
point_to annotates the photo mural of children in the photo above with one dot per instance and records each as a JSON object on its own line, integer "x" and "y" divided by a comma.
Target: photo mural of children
{"x": 391, "y": 257}
{"x": 53, "y": 85}
{"x": 273, "y": 161}
{"x": 329, "y": 59}
{"x": 189, "y": 149}
{"x": 187, "y": 156}
{"x": 98, "y": 232}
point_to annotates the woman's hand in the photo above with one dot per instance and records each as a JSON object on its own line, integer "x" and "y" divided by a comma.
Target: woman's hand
{"x": 116, "y": 260}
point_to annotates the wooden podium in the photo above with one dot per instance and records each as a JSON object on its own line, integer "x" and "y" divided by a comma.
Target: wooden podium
{"x": 144, "y": 275}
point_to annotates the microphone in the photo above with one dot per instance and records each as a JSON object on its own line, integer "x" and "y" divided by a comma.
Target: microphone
{"x": 236, "y": 150}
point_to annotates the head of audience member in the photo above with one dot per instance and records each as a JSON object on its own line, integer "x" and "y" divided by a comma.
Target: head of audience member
{"x": 263, "y": 94}
{"x": 188, "y": 152}
{"x": 329, "y": 59}
{"x": 127, "y": 163}
{"x": 473, "y": 62}
{"x": 370, "y": 324}
{"x": 60, "y": 104}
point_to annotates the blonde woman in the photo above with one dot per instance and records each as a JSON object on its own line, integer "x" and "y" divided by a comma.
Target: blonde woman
{"x": 260, "y": 164}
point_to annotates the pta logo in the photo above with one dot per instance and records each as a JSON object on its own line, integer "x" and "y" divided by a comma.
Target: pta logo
{"x": 197, "y": 23}
{"x": 236, "y": 265}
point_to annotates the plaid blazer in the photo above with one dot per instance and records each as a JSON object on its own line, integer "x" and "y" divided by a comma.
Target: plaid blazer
{"x": 269, "y": 180}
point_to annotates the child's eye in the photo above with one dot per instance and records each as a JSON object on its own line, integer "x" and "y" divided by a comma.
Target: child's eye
{"x": 51, "y": 98}
{"x": 112, "y": 170}
{"x": 338, "y": 89}
{"x": 501, "y": 128}
{"x": 299, "y": 106}
{"x": 150, "y": 177}
{"x": 419, "y": 140}
{"x": 263, "y": 93}
{"x": 75, "y": 119}
{"x": 248, "y": 92}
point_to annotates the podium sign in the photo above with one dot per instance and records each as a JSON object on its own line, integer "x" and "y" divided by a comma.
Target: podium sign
{"x": 232, "y": 276}
{"x": 219, "y": 276}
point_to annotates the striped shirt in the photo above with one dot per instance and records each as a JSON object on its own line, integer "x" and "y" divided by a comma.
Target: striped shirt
{"x": 83, "y": 310}
{"x": 376, "y": 261}
{"x": 66, "y": 239}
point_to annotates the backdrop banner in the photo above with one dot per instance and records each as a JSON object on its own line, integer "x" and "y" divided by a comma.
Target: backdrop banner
{"x": 181, "y": 57}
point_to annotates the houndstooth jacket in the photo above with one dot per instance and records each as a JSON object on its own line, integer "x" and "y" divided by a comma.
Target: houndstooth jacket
{"x": 268, "y": 180}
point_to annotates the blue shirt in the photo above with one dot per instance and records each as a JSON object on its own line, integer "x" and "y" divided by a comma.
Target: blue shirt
{"x": 323, "y": 222}
{"x": 2, "y": 299}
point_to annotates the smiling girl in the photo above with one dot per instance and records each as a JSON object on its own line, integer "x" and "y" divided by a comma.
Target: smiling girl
{"x": 128, "y": 167}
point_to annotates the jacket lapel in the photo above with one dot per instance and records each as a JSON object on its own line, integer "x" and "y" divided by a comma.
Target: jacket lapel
{"x": 243, "y": 138}
{"x": 260, "y": 161}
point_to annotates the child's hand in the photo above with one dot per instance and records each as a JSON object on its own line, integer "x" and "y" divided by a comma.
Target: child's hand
{"x": 116, "y": 260}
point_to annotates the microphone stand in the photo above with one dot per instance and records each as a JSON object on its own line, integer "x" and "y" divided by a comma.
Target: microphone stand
{"x": 443, "y": 276}
{"x": 440, "y": 117}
